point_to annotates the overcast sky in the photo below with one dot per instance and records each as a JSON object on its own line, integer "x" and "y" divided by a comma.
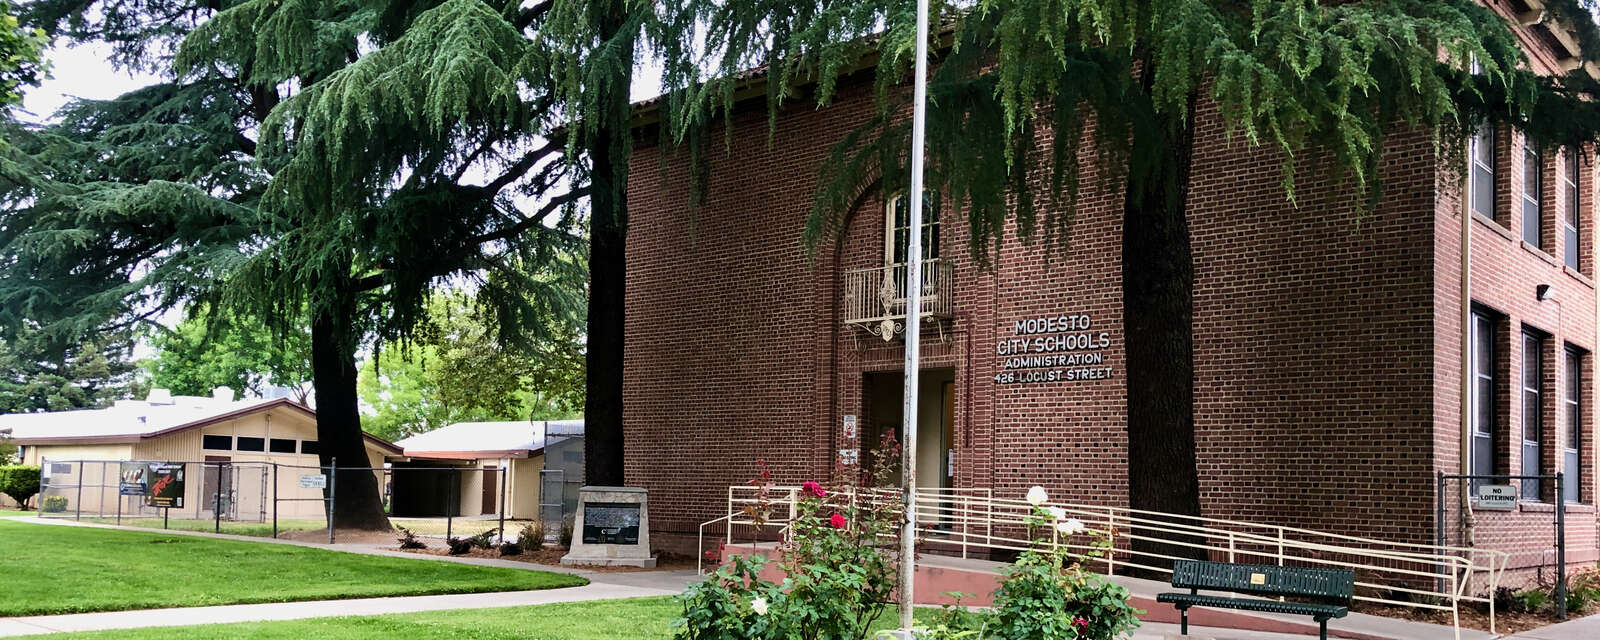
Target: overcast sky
{"x": 79, "y": 72}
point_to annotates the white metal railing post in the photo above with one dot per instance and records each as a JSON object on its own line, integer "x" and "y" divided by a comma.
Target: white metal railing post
{"x": 1111, "y": 537}
{"x": 1395, "y": 563}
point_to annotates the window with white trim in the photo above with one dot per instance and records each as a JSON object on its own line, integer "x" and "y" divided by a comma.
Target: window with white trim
{"x": 1532, "y": 196}
{"x": 1570, "y": 202}
{"x": 1532, "y": 413}
{"x": 1481, "y": 176}
{"x": 897, "y": 219}
{"x": 1572, "y": 462}
{"x": 1483, "y": 396}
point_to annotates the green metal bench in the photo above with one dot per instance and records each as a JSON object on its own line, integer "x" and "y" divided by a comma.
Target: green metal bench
{"x": 1330, "y": 588}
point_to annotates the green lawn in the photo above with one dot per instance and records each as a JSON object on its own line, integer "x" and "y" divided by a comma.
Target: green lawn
{"x": 636, "y": 619}
{"x": 14, "y": 512}
{"x": 256, "y": 529}
{"x": 59, "y": 569}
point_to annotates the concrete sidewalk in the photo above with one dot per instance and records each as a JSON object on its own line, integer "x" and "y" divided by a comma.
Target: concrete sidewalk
{"x": 1587, "y": 628}
{"x": 78, "y": 622}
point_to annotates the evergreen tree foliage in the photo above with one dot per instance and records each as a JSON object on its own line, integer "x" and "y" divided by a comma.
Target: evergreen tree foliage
{"x": 1119, "y": 81}
{"x": 202, "y": 353}
{"x": 36, "y": 376}
{"x": 305, "y": 164}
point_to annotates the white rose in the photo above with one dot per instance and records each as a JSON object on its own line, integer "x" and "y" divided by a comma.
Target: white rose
{"x": 1056, "y": 513}
{"x": 759, "y": 605}
{"x": 1072, "y": 526}
{"x": 1036, "y": 496}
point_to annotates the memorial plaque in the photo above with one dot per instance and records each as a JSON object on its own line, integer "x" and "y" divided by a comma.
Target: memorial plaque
{"x": 611, "y": 523}
{"x": 612, "y": 528}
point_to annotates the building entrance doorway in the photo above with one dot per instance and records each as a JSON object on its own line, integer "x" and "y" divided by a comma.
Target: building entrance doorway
{"x": 936, "y": 440}
{"x": 491, "y": 488}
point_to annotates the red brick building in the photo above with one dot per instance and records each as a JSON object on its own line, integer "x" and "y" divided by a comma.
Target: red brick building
{"x": 1332, "y": 367}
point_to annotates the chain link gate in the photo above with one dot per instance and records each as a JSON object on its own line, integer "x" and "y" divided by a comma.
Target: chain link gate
{"x": 1490, "y": 508}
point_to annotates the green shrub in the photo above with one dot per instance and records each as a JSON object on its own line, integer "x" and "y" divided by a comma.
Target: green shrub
{"x": 459, "y": 546}
{"x": 566, "y": 533}
{"x": 510, "y": 549}
{"x": 21, "y": 482}
{"x": 1529, "y": 600}
{"x": 1583, "y": 589}
{"x": 54, "y": 504}
{"x": 484, "y": 540}
{"x": 531, "y": 537}
{"x": 409, "y": 540}
{"x": 838, "y": 575}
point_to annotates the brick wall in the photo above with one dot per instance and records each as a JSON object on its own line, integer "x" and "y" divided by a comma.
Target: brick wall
{"x": 1327, "y": 338}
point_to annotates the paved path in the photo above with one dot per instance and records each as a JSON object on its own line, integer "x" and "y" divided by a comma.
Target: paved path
{"x": 314, "y": 609}
{"x": 1587, "y": 628}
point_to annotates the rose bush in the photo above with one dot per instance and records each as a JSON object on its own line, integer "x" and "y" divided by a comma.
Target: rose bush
{"x": 838, "y": 558}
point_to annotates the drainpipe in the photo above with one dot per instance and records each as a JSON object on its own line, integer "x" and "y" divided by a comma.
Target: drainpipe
{"x": 1466, "y": 364}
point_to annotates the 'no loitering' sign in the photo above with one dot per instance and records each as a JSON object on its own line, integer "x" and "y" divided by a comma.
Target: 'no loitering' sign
{"x": 1497, "y": 497}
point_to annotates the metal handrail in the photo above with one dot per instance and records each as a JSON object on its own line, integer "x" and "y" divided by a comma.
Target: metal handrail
{"x": 1453, "y": 567}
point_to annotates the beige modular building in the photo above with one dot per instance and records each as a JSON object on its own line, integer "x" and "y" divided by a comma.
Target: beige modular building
{"x": 462, "y": 469}
{"x": 240, "y": 454}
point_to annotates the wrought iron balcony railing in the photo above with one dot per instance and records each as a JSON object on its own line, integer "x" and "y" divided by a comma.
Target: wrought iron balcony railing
{"x": 875, "y": 299}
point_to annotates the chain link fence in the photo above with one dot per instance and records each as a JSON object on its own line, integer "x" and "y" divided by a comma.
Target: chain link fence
{"x": 429, "y": 498}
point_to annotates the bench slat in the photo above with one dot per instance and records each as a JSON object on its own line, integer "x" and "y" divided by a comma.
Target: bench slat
{"x": 1271, "y": 606}
{"x": 1330, "y": 584}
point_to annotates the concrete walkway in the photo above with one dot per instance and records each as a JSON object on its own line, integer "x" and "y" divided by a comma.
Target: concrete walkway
{"x": 80, "y": 622}
{"x": 1587, "y": 628}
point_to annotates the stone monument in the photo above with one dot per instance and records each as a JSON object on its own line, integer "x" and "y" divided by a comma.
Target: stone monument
{"x": 612, "y": 528}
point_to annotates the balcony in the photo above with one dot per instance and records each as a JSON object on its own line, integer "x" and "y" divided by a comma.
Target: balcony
{"x": 875, "y": 299}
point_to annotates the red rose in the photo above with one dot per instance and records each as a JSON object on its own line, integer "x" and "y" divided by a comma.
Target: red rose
{"x": 837, "y": 521}
{"x": 814, "y": 489}
{"x": 1082, "y": 623}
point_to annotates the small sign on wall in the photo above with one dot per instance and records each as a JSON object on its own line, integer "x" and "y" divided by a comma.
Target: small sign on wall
{"x": 314, "y": 481}
{"x": 850, "y": 457}
{"x": 850, "y": 427}
{"x": 1497, "y": 497}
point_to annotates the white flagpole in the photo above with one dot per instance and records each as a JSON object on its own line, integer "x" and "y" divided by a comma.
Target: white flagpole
{"x": 919, "y": 109}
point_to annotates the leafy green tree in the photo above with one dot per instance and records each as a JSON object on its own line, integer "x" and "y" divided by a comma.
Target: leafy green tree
{"x": 21, "y": 482}
{"x": 36, "y": 376}
{"x": 306, "y": 163}
{"x": 238, "y": 352}
{"x": 1300, "y": 78}
{"x": 21, "y": 57}
{"x": 456, "y": 371}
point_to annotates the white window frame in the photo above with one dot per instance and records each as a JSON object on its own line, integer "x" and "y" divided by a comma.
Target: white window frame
{"x": 1572, "y": 199}
{"x": 1487, "y": 131}
{"x": 889, "y": 228}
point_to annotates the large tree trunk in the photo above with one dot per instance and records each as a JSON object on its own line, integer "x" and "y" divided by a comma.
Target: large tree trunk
{"x": 357, "y": 503}
{"x": 1158, "y": 313}
{"x": 608, "y": 233}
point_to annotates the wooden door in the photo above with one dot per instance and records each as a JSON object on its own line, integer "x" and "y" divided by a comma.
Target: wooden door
{"x": 491, "y": 488}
